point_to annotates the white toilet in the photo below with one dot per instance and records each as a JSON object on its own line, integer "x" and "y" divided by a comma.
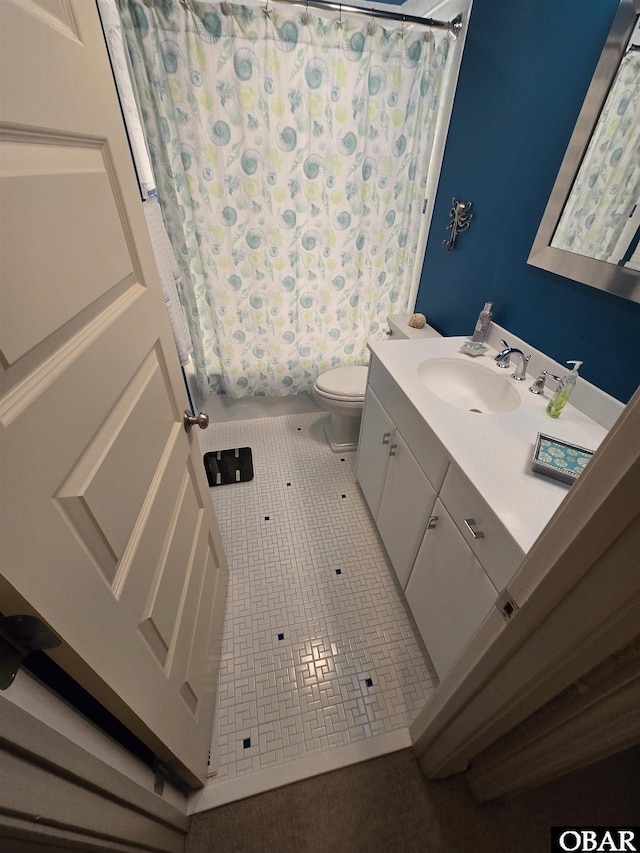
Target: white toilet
{"x": 341, "y": 392}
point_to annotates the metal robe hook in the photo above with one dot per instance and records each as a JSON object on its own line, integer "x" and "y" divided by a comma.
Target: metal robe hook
{"x": 460, "y": 221}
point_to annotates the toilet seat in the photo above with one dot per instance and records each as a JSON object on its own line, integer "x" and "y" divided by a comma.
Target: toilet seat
{"x": 348, "y": 384}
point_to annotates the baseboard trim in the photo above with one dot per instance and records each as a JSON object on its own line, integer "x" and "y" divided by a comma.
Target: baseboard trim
{"x": 218, "y": 792}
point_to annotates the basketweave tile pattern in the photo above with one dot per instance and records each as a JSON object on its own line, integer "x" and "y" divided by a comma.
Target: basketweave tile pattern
{"x": 319, "y": 647}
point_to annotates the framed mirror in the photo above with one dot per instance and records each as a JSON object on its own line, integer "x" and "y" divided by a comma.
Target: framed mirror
{"x": 575, "y": 234}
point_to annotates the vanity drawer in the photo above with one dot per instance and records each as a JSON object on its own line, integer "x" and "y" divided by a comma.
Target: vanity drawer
{"x": 420, "y": 438}
{"x": 495, "y": 549}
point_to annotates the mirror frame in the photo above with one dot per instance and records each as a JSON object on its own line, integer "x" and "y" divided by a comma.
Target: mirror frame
{"x": 618, "y": 280}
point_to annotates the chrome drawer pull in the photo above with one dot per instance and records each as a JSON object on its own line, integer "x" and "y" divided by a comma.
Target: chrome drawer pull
{"x": 386, "y": 437}
{"x": 432, "y": 522}
{"x": 477, "y": 534}
{"x": 392, "y": 449}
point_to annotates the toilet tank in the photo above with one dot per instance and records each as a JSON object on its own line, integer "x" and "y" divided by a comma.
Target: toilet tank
{"x": 399, "y": 329}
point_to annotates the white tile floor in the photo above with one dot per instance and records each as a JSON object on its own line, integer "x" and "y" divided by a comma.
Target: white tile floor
{"x": 320, "y": 651}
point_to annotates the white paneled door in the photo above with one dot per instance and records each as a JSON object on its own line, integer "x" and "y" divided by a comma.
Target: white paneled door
{"x": 108, "y": 532}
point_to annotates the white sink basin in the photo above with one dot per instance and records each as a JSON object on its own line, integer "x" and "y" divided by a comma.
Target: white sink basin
{"x": 469, "y": 385}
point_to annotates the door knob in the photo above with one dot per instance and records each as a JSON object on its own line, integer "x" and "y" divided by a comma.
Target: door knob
{"x": 190, "y": 420}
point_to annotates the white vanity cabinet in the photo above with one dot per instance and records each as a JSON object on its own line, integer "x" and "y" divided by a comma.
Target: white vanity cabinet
{"x": 466, "y": 558}
{"x": 398, "y": 492}
{"x": 448, "y": 592}
{"x": 406, "y": 504}
{"x": 400, "y": 469}
{"x": 451, "y": 553}
{"x": 483, "y": 532}
{"x": 374, "y": 445}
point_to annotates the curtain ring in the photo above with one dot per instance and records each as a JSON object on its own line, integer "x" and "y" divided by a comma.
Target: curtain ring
{"x": 306, "y": 17}
{"x": 371, "y": 26}
{"x": 267, "y": 11}
{"x": 339, "y": 22}
{"x": 401, "y": 33}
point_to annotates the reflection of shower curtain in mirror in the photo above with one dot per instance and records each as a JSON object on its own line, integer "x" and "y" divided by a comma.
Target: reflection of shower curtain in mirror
{"x": 291, "y": 155}
{"x": 607, "y": 186}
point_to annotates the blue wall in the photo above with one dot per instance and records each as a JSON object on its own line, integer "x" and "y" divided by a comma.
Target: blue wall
{"x": 525, "y": 71}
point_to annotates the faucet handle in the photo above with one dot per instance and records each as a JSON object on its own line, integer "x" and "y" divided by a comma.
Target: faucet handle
{"x": 539, "y": 385}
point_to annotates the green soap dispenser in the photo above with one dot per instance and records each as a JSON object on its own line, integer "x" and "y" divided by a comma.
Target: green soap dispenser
{"x": 563, "y": 391}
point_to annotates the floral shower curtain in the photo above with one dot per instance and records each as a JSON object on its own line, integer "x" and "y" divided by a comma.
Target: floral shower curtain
{"x": 291, "y": 155}
{"x": 607, "y": 185}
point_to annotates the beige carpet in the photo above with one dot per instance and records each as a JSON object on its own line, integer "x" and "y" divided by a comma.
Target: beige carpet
{"x": 386, "y": 805}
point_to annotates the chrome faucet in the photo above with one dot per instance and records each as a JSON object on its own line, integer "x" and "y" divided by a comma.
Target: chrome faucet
{"x": 503, "y": 360}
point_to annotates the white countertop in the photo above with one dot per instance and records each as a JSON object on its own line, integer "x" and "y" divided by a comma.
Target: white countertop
{"x": 494, "y": 451}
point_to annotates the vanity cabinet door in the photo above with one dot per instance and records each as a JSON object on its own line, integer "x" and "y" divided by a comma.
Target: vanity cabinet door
{"x": 448, "y": 591}
{"x": 484, "y": 533}
{"x": 376, "y": 436}
{"x": 407, "y": 502}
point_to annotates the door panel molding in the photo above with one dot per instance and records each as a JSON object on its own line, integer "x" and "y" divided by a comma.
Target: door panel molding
{"x": 28, "y": 378}
{"x": 94, "y": 454}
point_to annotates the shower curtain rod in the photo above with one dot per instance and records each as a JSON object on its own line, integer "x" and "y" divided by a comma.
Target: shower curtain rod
{"x": 454, "y": 26}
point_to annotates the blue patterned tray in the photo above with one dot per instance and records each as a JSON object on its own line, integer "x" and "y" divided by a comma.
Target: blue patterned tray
{"x": 559, "y": 459}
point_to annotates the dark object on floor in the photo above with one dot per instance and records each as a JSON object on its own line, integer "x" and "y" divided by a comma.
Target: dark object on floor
{"x": 228, "y": 466}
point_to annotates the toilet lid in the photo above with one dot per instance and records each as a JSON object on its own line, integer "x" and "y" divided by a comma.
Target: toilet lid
{"x": 344, "y": 382}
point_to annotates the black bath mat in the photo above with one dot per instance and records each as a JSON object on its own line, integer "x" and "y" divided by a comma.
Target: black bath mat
{"x": 228, "y": 466}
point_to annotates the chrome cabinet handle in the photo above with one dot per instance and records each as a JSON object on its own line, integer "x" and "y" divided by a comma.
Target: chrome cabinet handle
{"x": 477, "y": 534}
{"x": 433, "y": 520}
{"x": 386, "y": 437}
{"x": 189, "y": 420}
{"x": 392, "y": 449}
